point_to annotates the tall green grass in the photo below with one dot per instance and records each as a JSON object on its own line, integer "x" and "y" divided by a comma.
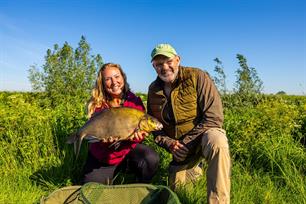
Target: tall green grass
{"x": 34, "y": 158}
{"x": 266, "y": 142}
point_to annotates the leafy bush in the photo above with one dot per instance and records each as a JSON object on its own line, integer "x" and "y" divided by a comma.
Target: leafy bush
{"x": 268, "y": 157}
{"x": 67, "y": 75}
{"x": 261, "y": 140}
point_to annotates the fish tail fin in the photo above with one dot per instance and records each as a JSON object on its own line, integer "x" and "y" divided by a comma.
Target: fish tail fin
{"x": 77, "y": 145}
{"x": 76, "y": 141}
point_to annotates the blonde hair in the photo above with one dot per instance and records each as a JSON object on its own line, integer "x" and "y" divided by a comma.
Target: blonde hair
{"x": 99, "y": 96}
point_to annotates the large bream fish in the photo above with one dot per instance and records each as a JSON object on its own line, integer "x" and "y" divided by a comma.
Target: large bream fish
{"x": 118, "y": 123}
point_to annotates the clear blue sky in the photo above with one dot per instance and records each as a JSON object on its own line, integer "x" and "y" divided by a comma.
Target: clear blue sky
{"x": 271, "y": 34}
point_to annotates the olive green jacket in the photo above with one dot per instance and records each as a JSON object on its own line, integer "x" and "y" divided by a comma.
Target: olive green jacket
{"x": 194, "y": 105}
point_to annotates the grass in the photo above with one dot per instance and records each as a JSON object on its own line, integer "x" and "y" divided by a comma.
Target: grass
{"x": 266, "y": 141}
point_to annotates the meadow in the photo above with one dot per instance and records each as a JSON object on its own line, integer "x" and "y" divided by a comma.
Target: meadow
{"x": 267, "y": 137}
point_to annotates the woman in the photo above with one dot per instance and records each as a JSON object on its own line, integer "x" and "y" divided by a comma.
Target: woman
{"x": 103, "y": 162}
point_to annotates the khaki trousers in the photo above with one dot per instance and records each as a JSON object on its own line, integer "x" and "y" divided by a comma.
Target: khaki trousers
{"x": 214, "y": 148}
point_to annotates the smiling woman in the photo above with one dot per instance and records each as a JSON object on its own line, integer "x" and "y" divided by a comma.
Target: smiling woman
{"x": 104, "y": 161}
{"x": 113, "y": 81}
{"x": 111, "y": 87}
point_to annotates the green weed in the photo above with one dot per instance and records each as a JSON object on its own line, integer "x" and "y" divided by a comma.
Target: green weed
{"x": 266, "y": 142}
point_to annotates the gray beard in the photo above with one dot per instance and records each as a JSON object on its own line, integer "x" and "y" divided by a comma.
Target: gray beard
{"x": 166, "y": 79}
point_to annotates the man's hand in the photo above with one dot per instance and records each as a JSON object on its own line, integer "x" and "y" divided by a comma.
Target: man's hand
{"x": 179, "y": 151}
{"x": 139, "y": 135}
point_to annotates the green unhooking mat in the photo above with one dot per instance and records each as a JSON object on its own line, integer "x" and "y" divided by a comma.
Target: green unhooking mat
{"x": 92, "y": 193}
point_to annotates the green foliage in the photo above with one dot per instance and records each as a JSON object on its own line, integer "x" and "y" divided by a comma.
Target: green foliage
{"x": 143, "y": 97}
{"x": 265, "y": 141}
{"x": 26, "y": 146}
{"x": 281, "y": 93}
{"x": 34, "y": 158}
{"x": 220, "y": 78}
{"x": 261, "y": 141}
{"x": 248, "y": 81}
{"x": 33, "y": 130}
{"x": 67, "y": 74}
{"x": 248, "y": 86}
{"x": 236, "y": 101}
{"x": 193, "y": 193}
{"x": 267, "y": 134}
{"x": 258, "y": 187}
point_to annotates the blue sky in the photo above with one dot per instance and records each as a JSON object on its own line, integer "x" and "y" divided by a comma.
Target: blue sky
{"x": 271, "y": 34}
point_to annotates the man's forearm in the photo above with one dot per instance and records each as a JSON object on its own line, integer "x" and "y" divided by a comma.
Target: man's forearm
{"x": 193, "y": 137}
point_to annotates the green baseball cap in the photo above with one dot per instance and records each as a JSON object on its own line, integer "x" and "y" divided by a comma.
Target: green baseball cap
{"x": 163, "y": 49}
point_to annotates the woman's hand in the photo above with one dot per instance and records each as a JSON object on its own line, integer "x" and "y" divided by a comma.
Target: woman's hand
{"x": 139, "y": 135}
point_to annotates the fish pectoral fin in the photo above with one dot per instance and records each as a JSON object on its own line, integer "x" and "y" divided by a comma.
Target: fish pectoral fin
{"x": 115, "y": 145}
{"x": 92, "y": 139}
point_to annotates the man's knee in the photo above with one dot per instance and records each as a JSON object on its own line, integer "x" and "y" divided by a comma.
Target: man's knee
{"x": 213, "y": 140}
{"x": 215, "y": 137}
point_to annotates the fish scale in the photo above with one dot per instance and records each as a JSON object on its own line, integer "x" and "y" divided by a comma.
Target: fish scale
{"x": 118, "y": 123}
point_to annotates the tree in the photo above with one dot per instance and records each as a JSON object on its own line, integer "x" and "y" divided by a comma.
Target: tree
{"x": 220, "y": 78}
{"x": 248, "y": 81}
{"x": 66, "y": 73}
{"x": 281, "y": 93}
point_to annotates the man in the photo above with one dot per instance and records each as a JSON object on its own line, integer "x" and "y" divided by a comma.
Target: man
{"x": 188, "y": 104}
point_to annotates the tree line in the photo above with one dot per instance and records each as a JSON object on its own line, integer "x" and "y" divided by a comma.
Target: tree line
{"x": 69, "y": 74}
